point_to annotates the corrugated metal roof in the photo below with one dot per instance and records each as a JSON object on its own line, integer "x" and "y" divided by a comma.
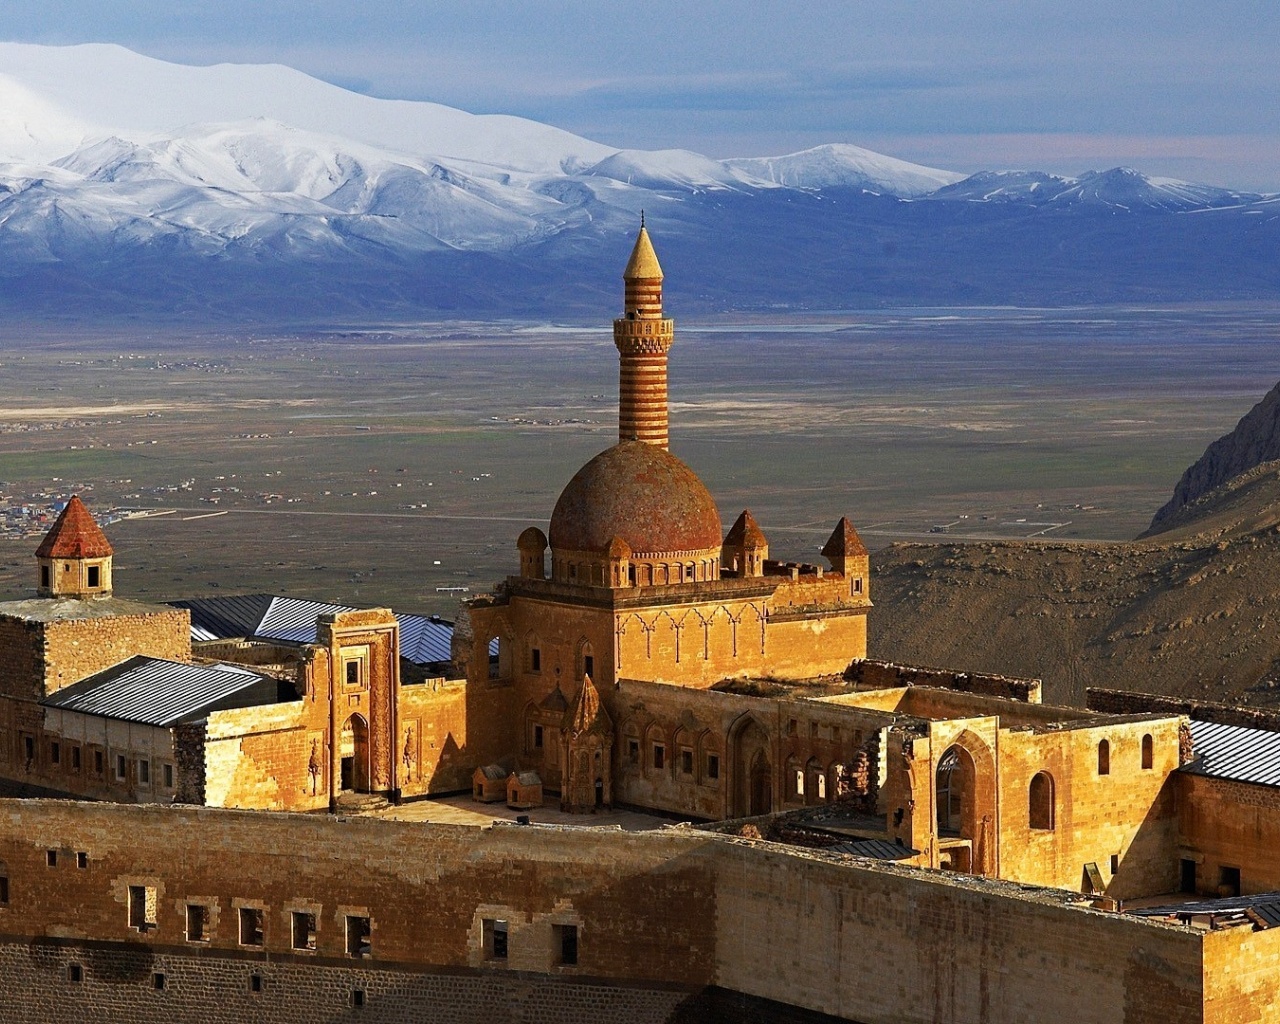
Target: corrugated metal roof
{"x": 424, "y": 640}
{"x": 1264, "y": 905}
{"x": 1235, "y": 752}
{"x": 880, "y": 849}
{"x": 152, "y": 691}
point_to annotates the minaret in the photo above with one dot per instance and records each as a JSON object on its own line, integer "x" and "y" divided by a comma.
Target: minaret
{"x": 643, "y": 336}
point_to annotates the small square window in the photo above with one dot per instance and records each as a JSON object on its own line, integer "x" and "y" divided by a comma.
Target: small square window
{"x": 358, "y": 929}
{"x": 95, "y": 576}
{"x": 75, "y": 973}
{"x": 82, "y": 860}
{"x": 158, "y": 981}
{"x": 713, "y": 766}
{"x": 304, "y": 930}
{"x": 250, "y": 926}
{"x": 353, "y": 673}
{"x": 197, "y": 922}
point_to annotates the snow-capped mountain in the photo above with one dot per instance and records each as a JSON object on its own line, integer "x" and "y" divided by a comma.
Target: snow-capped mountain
{"x": 1121, "y": 188}
{"x": 128, "y": 182}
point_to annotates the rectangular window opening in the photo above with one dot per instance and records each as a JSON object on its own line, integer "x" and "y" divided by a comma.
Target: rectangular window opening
{"x": 686, "y": 762}
{"x": 567, "y": 944}
{"x": 255, "y": 983}
{"x": 75, "y": 759}
{"x": 358, "y": 929}
{"x": 168, "y": 776}
{"x": 95, "y": 576}
{"x": 197, "y": 922}
{"x": 589, "y": 666}
{"x": 1115, "y": 863}
{"x": 4, "y": 888}
{"x": 97, "y": 761}
{"x": 1228, "y": 881}
{"x": 29, "y": 747}
{"x": 659, "y": 756}
{"x": 75, "y": 973}
{"x": 304, "y": 930}
{"x": 250, "y": 926}
{"x": 353, "y": 673}
{"x": 537, "y": 737}
{"x": 82, "y": 860}
{"x": 144, "y": 772}
{"x": 535, "y": 660}
{"x": 142, "y": 907}
{"x": 494, "y": 936}
{"x": 55, "y": 752}
{"x": 713, "y": 766}
{"x": 159, "y": 981}
{"x": 122, "y": 768}
{"x": 51, "y": 858}
{"x": 357, "y": 998}
{"x": 633, "y": 751}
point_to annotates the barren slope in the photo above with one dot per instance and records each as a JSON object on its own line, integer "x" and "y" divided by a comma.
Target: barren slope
{"x": 1193, "y": 611}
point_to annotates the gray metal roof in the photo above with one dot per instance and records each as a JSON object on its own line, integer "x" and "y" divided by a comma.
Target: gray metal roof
{"x": 1264, "y": 905}
{"x": 424, "y": 640}
{"x": 152, "y": 691}
{"x": 1235, "y": 752}
{"x": 880, "y": 849}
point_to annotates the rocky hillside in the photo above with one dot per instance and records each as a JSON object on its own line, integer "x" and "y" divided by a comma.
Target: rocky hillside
{"x": 1192, "y": 610}
{"x": 1255, "y": 440}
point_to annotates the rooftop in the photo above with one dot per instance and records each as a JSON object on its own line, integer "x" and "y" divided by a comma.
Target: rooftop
{"x": 154, "y": 691}
{"x": 65, "y": 609}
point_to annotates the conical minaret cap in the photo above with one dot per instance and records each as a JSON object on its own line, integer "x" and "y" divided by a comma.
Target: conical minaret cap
{"x": 643, "y": 265}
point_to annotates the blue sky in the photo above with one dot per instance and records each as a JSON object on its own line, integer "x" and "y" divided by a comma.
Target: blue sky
{"x": 1172, "y": 88}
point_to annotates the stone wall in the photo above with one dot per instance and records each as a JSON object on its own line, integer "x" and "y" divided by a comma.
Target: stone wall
{"x": 76, "y": 648}
{"x": 22, "y": 667}
{"x": 876, "y": 675}
{"x": 1230, "y": 824}
{"x": 1123, "y": 703}
{"x": 661, "y": 918}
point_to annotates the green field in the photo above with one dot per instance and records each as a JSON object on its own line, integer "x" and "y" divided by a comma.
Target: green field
{"x": 376, "y": 464}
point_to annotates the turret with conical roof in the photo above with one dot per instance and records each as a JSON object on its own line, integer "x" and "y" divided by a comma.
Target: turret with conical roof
{"x": 848, "y": 556}
{"x": 74, "y": 558}
{"x": 745, "y": 547}
{"x": 643, "y": 337}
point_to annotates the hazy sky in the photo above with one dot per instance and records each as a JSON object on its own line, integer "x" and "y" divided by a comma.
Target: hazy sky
{"x": 1190, "y": 90}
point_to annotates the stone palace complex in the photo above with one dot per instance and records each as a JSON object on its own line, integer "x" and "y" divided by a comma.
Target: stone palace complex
{"x": 849, "y": 840}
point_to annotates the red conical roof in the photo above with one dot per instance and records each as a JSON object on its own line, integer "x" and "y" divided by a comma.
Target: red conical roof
{"x": 75, "y": 535}
{"x": 745, "y": 532}
{"x": 844, "y": 541}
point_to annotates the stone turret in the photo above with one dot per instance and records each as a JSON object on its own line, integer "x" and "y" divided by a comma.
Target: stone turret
{"x": 643, "y": 337}
{"x": 587, "y": 753}
{"x": 848, "y": 556}
{"x": 74, "y": 559}
{"x": 745, "y": 547}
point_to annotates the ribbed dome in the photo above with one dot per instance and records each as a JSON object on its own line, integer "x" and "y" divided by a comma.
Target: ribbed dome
{"x": 640, "y": 493}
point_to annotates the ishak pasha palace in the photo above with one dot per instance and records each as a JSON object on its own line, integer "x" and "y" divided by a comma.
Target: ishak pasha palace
{"x": 203, "y": 824}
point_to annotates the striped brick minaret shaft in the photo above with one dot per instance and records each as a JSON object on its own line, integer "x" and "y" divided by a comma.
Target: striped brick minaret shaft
{"x": 643, "y": 337}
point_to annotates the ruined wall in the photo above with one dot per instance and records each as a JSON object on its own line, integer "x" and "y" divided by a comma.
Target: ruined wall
{"x": 878, "y": 675}
{"x": 1224, "y": 823}
{"x": 76, "y": 648}
{"x": 802, "y": 742}
{"x": 1122, "y": 703}
{"x": 670, "y": 912}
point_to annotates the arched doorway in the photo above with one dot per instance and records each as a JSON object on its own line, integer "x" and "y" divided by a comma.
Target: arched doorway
{"x": 353, "y": 749}
{"x": 751, "y": 790}
{"x": 965, "y": 799}
{"x": 761, "y": 785}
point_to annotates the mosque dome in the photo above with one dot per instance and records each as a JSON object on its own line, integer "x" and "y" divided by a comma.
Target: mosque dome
{"x": 642, "y": 494}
